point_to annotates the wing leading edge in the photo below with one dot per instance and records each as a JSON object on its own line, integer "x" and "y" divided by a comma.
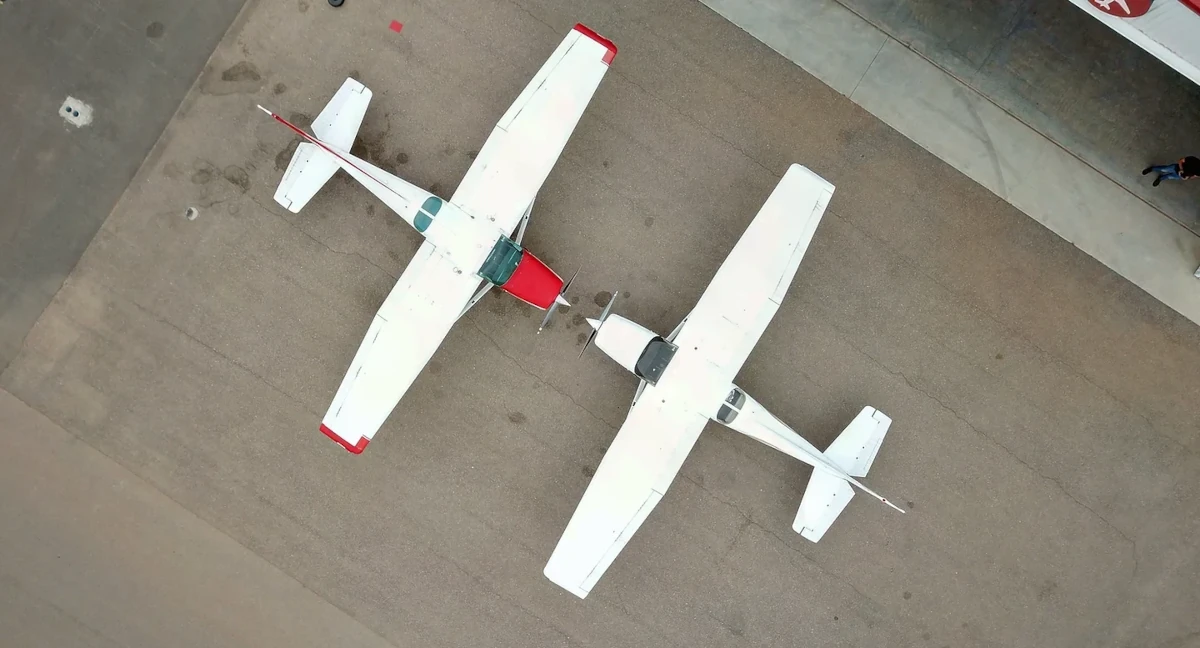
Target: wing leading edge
{"x": 528, "y": 139}
{"x": 750, "y": 285}
{"x": 635, "y": 473}
{"x": 714, "y": 341}
{"x": 405, "y": 333}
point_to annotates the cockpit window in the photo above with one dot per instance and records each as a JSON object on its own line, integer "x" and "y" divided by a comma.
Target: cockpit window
{"x": 429, "y": 209}
{"x": 501, "y": 262}
{"x": 733, "y": 403}
{"x": 654, "y": 360}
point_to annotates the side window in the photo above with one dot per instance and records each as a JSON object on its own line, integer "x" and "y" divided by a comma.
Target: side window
{"x": 432, "y": 204}
{"x": 429, "y": 209}
{"x": 733, "y": 403}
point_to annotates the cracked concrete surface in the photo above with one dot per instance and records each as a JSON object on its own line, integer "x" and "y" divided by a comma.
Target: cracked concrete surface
{"x": 1045, "y": 437}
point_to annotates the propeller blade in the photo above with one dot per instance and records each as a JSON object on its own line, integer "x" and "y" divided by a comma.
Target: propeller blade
{"x": 599, "y": 323}
{"x": 560, "y": 300}
{"x": 549, "y": 314}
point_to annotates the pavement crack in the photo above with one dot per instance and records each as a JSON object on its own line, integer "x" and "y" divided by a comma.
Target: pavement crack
{"x": 221, "y": 530}
{"x": 30, "y": 594}
{"x": 870, "y": 65}
{"x": 1016, "y": 335}
{"x": 529, "y": 13}
{"x": 164, "y": 321}
{"x": 986, "y": 138}
{"x": 321, "y": 243}
{"x": 748, "y": 521}
{"x": 1054, "y": 480}
{"x": 693, "y": 120}
{"x": 536, "y": 377}
{"x": 487, "y": 587}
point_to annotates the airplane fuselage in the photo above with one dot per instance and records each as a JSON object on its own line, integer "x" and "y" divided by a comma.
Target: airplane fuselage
{"x": 473, "y": 244}
{"x": 649, "y": 356}
{"x": 653, "y": 358}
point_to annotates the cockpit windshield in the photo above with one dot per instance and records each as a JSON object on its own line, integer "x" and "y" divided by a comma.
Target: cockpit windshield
{"x": 501, "y": 262}
{"x": 654, "y": 360}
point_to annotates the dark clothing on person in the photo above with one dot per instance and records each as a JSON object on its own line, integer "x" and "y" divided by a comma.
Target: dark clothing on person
{"x": 1189, "y": 167}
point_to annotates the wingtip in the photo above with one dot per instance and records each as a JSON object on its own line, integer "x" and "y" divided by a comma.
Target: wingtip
{"x": 260, "y": 107}
{"x": 591, "y": 33}
{"x": 357, "y": 448}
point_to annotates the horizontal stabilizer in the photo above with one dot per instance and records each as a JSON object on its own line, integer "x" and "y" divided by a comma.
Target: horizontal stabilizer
{"x": 315, "y": 161}
{"x": 855, "y": 448}
{"x": 338, "y": 122}
{"x": 824, "y": 500}
{"x": 308, "y": 171}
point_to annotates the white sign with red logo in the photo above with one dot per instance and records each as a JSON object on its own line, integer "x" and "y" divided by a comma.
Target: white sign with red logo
{"x": 1123, "y": 8}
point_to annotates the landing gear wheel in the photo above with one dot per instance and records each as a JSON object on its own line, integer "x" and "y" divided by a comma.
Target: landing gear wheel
{"x": 336, "y": 3}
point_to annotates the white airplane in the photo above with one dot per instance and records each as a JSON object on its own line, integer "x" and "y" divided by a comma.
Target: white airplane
{"x": 467, "y": 248}
{"x": 687, "y": 379}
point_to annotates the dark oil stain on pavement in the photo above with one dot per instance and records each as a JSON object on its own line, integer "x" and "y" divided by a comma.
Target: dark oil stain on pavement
{"x": 285, "y": 156}
{"x": 204, "y": 172}
{"x": 243, "y": 71}
{"x": 240, "y": 78}
{"x": 300, "y": 120}
{"x": 237, "y": 177}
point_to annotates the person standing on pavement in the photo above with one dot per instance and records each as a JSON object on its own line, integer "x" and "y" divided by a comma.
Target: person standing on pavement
{"x": 1187, "y": 168}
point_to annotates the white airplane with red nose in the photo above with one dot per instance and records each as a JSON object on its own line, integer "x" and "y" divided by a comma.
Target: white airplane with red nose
{"x": 686, "y": 380}
{"x": 469, "y": 243}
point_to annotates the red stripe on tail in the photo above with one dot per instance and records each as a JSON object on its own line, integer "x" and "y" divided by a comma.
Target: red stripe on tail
{"x": 325, "y": 147}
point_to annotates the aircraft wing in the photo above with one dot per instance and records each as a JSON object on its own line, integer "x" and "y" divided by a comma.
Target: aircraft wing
{"x": 746, "y": 292}
{"x": 518, "y": 155}
{"x": 636, "y": 471}
{"x": 409, "y": 327}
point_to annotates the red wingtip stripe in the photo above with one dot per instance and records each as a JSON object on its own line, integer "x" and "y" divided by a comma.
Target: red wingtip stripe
{"x": 612, "y": 49}
{"x": 356, "y": 448}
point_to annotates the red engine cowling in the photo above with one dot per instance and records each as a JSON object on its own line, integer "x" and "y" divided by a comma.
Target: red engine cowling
{"x": 533, "y": 282}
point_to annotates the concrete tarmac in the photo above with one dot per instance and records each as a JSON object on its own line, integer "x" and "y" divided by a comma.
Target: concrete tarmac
{"x": 95, "y": 556}
{"x": 1045, "y": 411}
{"x": 131, "y": 61}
